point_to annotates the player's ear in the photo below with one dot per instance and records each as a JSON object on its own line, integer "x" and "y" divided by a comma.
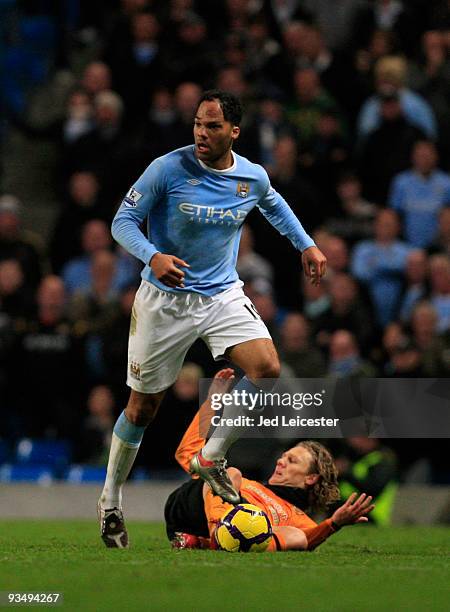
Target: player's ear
{"x": 235, "y": 132}
{"x": 312, "y": 479}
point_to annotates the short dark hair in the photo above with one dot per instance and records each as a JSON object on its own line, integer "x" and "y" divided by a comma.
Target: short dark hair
{"x": 229, "y": 103}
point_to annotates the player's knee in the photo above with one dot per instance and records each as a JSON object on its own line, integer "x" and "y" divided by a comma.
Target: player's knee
{"x": 295, "y": 538}
{"x": 142, "y": 409}
{"x": 302, "y": 540}
{"x": 269, "y": 368}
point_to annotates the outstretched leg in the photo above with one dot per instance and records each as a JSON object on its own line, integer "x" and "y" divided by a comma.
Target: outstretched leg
{"x": 215, "y": 507}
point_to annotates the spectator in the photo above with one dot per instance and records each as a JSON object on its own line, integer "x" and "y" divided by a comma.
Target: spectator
{"x": 315, "y": 300}
{"x": 169, "y": 123}
{"x": 353, "y": 219}
{"x": 236, "y": 51}
{"x": 191, "y": 57}
{"x": 304, "y": 200}
{"x": 416, "y": 285}
{"x": 326, "y": 156}
{"x": 407, "y": 361}
{"x": 393, "y": 339}
{"x": 419, "y": 194}
{"x": 77, "y": 274}
{"x": 178, "y": 12}
{"x": 387, "y": 149}
{"x": 335, "y": 71}
{"x": 120, "y": 22}
{"x": 95, "y": 435}
{"x": 156, "y": 129}
{"x": 51, "y": 355}
{"x": 93, "y": 307}
{"x": 345, "y": 360}
{"x": 232, "y": 79}
{"x": 239, "y": 14}
{"x": 267, "y": 126}
{"x": 281, "y": 67}
{"x": 64, "y": 131}
{"x": 311, "y": 102}
{"x": 16, "y": 298}
{"x": 336, "y": 252}
{"x": 83, "y": 204}
{"x": 287, "y": 179}
{"x": 365, "y": 465}
{"x": 380, "y": 264}
{"x": 404, "y": 20}
{"x": 381, "y": 44}
{"x": 390, "y": 76}
{"x": 96, "y": 78}
{"x": 440, "y": 290}
{"x": 186, "y": 98}
{"x": 80, "y": 116}
{"x": 336, "y": 21}
{"x": 297, "y": 351}
{"x": 431, "y": 77}
{"x": 286, "y": 15}
{"x": 251, "y": 266}
{"x": 442, "y": 242}
{"x": 16, "y": 243}
{"x": 113, "y": 339}
{"x": 345, "y": 312}
{"x": 424, "y": 326}
{"x": 260, "y": 293}
{"x": 106, "y": 149}
{"x": 261, "y": 48}
{"x": 434, "y": 61}
{"x": 137, "y": 63}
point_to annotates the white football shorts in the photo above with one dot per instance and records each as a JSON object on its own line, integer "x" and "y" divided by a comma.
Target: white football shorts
{"x": 164, "y": 326}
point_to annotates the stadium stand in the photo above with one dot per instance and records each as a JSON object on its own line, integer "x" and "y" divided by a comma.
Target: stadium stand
{"x": 92, "y": 92}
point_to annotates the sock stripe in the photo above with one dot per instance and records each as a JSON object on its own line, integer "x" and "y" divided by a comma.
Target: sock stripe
{"x": 127, "y": 432}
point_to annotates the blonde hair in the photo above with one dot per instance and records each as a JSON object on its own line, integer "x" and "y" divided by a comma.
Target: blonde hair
{"x": 392, "y": 69}
{"x": 326, "y": 490}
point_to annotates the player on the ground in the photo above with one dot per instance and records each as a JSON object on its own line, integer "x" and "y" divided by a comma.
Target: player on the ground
{"x": 195, "y": 200}
{"x": 304, "y": 479}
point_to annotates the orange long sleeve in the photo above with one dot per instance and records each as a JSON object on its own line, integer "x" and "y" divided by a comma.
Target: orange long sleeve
{"x": 195, "y": 436}
{"x": 318, "y": 534}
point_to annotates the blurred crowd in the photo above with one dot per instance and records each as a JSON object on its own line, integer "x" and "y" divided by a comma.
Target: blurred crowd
{"x": 346, "y": 106}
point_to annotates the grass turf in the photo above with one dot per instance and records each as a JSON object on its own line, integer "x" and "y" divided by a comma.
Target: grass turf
{"x": 361, "y": 568}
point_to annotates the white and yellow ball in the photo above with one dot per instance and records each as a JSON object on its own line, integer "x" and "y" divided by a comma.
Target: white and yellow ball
{"x": 244, "y": 528}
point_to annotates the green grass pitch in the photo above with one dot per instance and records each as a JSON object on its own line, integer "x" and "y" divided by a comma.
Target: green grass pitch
{"x": 361, "y": 568}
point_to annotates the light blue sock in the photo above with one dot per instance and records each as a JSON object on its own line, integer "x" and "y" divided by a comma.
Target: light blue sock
{"x": 124, "y": 448}
{"x": 126, "y": 431}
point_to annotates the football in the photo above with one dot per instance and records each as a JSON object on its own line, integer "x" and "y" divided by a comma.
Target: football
{"x": 245, "y": 528}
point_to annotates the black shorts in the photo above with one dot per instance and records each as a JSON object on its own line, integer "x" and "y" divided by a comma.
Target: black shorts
{"x": 184, "y": 510}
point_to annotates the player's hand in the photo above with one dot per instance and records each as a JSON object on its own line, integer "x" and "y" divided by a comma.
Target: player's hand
{"x": 222, "y": 381}
{"x": 165, "y": 269}
{"x": 355, "y": 510}
{"x": 314, "y": 264}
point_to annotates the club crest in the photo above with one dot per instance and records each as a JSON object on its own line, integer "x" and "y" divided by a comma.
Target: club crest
{"x": 243, "y": 190}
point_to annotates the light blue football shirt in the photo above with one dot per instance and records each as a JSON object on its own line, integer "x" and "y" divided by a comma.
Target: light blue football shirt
{"x": 419, "y": 199}
{"x": 196, "y": 213}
